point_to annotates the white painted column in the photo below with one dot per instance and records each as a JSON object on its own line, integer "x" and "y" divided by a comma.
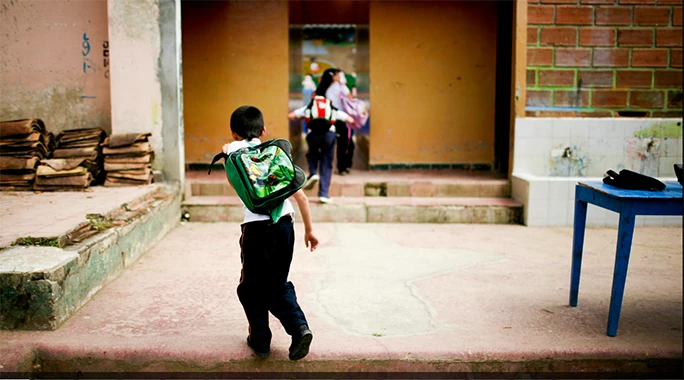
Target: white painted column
{"x": 144, "y": 42}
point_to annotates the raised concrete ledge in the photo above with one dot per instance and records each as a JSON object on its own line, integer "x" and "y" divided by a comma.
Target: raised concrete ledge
{"x": 62, "y": 218}
{"x": 41, "y": 287}
{"x": 35, "y": 259}
{"x": 374, "y": 210}
{"x": 550, "y": 201}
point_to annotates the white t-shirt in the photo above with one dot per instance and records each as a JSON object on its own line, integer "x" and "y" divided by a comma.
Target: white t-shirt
{"x": 250, "y": 216}
{"x": 333, "y": 93}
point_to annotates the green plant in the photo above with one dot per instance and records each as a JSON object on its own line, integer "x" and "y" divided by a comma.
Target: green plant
{"x": 101, "y": 225}
{"x": 42, "y": 242}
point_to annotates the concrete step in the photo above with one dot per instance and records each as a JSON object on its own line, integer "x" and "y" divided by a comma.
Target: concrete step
{"x": 406, "y": 183}
{"x": 374, "y": 210}
{"x": 187, "y": 365}
{"x": 490, "y": 189}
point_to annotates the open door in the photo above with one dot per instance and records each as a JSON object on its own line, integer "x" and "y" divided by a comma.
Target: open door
{"x": 330, "y": 34}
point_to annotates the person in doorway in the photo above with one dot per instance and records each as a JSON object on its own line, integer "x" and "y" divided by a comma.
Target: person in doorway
{"x": 321, "y": 118}
{"x": 313, "y": 66}
{"x": 333, "y": 87}
{"x": 354, "y": 107}
{"x": 308, "y": 89}
{"x": 266, "y": 254}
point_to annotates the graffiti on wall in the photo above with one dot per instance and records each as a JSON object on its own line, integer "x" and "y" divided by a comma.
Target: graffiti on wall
{"x": 89, "y": 68}
{"x": 567, "y": 161}
{"x": 88, "y": 65}
{"x": 589, "y": 147}
{"x": 105, "y": 58}
{"x": 650, "y": 150}
{"x": 643, "y": 155}
{"x": 644, "y": 150}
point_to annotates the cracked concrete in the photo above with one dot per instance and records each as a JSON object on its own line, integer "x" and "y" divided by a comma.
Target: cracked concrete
{"x": 363, "y": 258}
{"x": 430, "y": 310}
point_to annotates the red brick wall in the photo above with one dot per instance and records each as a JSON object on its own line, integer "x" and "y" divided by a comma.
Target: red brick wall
{"x": 604, "y": 58}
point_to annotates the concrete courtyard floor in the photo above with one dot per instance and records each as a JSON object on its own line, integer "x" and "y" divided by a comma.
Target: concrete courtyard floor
{"x": 380, "y": 297}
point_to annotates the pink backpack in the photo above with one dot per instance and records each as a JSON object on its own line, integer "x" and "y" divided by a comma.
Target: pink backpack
{"x": 356, "y": 108}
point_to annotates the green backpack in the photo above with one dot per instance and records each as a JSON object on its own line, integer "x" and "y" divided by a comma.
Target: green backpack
{"x": 263, "y": 176}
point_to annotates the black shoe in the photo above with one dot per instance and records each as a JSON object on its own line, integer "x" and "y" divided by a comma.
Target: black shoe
{"x": 311, "y": 182}
{"x": 261, "y": 354}
{"x": 301, "y": 341}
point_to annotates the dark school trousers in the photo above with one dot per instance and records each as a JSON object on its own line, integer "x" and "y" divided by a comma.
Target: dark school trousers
{"x": 345, "y": 146}
{"x": 321, "y": 152}
{"x": 266, "y": 254}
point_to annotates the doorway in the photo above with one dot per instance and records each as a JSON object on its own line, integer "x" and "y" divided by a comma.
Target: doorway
{"x": 330, "y": 34}
{"x": 504, "y": 72}
{"x": 314, "y": 49}
{"x": 441, "y": 82}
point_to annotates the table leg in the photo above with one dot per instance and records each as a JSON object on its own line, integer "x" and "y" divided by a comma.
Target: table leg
{"x": 624, "y": 246}
{"x": 580, "y": 224}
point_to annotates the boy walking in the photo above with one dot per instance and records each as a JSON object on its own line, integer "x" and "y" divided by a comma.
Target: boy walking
{"x": 266, "y": 255}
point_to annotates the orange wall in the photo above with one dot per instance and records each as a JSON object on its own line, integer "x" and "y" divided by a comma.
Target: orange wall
{"x": 432, "y": 79}
{"x": 42, "y": 57}
{"x": 234, "y": 53}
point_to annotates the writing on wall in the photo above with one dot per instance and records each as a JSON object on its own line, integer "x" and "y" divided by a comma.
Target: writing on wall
{"x": 89, "y": 68}
{"x": 105, "y": 58}
{"x": 88, "y": 65}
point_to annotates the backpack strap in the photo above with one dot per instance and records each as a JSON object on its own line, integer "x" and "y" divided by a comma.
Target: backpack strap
{"x": 225, "y": 156}
{"x": 323, "y": 107}
{"x": 216, "y": 158}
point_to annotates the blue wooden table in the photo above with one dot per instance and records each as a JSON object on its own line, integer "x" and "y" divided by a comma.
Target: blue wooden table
{"x": 629, "y": 204}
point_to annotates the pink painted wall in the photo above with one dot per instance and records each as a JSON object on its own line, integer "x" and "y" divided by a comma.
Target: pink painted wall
{"x": 54, "y": 63}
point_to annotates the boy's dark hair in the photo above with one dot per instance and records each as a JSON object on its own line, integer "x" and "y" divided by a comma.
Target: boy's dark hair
{"x": 247, "y": 122}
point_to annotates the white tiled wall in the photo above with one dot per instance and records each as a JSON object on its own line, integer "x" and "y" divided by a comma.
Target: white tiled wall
{"x": 550, "y": 200}
{"x": 601, "y": 143}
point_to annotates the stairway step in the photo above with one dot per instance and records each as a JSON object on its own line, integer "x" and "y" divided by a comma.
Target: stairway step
{"x": 374, "y": 210}
{"x": 379, "y": 188}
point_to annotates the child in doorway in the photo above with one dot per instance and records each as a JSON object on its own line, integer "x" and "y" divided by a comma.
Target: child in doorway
{"x": 266, "y": 255}
{"x": 308, "y": 89}
{"x": 320, "y": 117}
{"x": 336, "y": 90}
